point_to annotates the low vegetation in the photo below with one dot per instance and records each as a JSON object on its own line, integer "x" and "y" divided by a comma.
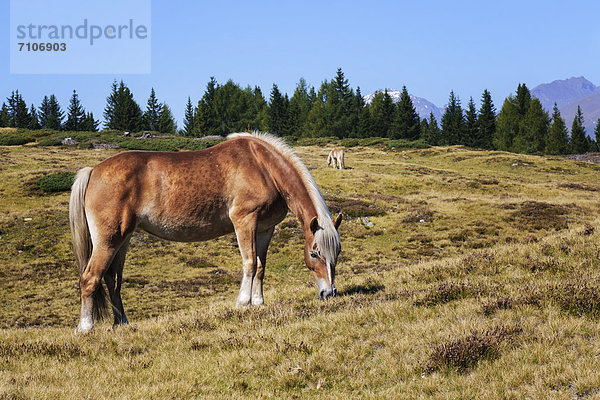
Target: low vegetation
{"x": 463, "y": 274}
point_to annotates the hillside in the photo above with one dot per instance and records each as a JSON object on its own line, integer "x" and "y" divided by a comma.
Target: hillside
{"x": 478, "y": 278}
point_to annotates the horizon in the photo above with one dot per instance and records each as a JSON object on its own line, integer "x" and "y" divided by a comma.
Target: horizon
{"x": 192, "y": 42}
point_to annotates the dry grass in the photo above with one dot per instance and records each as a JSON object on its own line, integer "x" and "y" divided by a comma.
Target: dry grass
{"x": 478, "y": 279}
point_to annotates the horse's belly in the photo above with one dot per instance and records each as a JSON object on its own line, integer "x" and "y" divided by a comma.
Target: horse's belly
{"x": 186, "y": 230}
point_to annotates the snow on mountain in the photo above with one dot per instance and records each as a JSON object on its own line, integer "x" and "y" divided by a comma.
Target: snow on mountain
{"x": 422, "y": 106}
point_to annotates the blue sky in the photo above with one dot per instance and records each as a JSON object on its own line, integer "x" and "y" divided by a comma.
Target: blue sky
{"x": 431, "y": 47}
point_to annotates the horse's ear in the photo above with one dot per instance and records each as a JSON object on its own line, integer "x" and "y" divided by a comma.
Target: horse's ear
{"x": 337, "y": 221}
{"x": 314, "y": 225}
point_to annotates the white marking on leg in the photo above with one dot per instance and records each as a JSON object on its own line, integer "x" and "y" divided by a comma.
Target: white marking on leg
{"x": 86, "y": 323}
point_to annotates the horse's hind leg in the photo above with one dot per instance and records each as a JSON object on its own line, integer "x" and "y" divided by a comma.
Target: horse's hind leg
{"x": 91, "y": 290}
{"x": 262, "y": 244}
{"x": 114, "y": 278}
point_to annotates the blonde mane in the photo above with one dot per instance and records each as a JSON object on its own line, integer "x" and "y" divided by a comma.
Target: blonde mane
{"x": 327, "y": 238}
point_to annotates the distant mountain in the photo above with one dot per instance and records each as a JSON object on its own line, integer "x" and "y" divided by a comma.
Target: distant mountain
{"x": 422, "y": 106}
{"x": 564, "y": 91}
{"x": 568, "y": 94}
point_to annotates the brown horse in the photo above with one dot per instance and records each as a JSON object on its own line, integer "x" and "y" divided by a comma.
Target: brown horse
{"x": 244, "y": 185}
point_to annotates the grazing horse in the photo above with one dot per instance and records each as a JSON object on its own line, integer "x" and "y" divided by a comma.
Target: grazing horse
{"x": 245, "y": 185}
{"x": 336, "y": 159}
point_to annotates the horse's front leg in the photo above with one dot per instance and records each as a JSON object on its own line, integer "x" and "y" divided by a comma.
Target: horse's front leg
{"x": 262, "y": 244}
{"x": 245, "y": 230}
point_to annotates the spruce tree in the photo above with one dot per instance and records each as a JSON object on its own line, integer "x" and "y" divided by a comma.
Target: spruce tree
{"x": 523, "y": 99}
{"x": 18, "y": 112}
{"x": 277, "y": 116}
{"x": 579, "y": 143}
{"x": 486, "y": 122}
{"x": 188, "y": 121}
{"x": 533, "y": 129}
{"x": 382, "y": 114}
{"x": 558, "y": 138}
{"x": 51, "y": 115}
{"x": 206, "y": 122}
{"x": 4, "y": 120}
{"x": 166, "y": 122}
{"x": 89, "y": 124}
{"x": 507, "y": 126}
{"x": 365, "y": 123}
{"x": 121, "y": 111}
{"x": 259, "y": 110}
{"x": 34, "y": 122}
{"x": 471, "y": 131}
{"x": 406, "y": 123}
{"x": 453, "y": 122}
{"x": 432, "y": 134}
{"x": 75, "y": 114}
{"x": 300, "y": 105}
{"x": 153, "y": 109}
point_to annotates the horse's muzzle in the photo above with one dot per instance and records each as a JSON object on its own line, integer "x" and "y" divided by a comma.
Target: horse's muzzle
{"x": 328, "y": 292}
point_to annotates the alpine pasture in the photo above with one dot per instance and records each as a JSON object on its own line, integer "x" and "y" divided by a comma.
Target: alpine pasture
{"x": 463, "y": 274}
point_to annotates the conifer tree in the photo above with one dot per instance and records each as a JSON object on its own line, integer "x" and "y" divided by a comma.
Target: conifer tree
{"x": 34, "y": 122}
{"x": 75, "y": 114}
{"x": 18, "y": 112}
{"x": 206, "y": 119}
{"x": 153, "y": 109}
{"x": 406, "y": 123}
{"x": 471, "y": 131}
{"x": 4, "y": 120}
{"x": 364, "y": 124}
{"x": 300, "y": 105}
{"x": 507, "y": 126}
{"x": 277, "y": 116}
{"x": 579, "y": 143}
{"x": 486, "y": 122}
{"x": 51, "y": 115}
{"x": 453, "y": 122}
{"x": 166, "y": 122}
{"x": 121, "y": 111}
{"x": 382, "y": 114}
{"x": 558, "y": 138}
{"x": 432, "y": 134}
{"x": 533, "y": 129}
{"x": 188, "y": 120}
{"x": 523, "y": 99}
{"x": 89, "y": 124}
{"x": 259, "y": 111}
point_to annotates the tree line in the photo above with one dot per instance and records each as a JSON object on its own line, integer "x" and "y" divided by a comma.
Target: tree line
{"x": 334, "y": 110}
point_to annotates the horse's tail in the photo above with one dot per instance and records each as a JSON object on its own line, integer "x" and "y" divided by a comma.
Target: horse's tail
{"x": 80, "y": 235}
{"x": 329, "y": 157}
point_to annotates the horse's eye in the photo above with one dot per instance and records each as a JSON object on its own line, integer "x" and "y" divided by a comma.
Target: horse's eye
{"x": 314, "y": 254}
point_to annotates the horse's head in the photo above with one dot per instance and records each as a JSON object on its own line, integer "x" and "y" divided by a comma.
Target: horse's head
{"x": 321, "y": 253}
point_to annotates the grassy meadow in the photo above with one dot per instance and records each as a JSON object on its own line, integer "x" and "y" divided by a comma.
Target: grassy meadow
{"x": 463, "y": 274}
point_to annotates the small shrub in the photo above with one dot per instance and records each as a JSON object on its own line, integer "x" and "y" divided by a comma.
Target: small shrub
{"x": 59, "y": 182}
{"x": 353, "y": 208}
{"x": 578, "y": 297}
{"x": 444, "y": 292}
{"x": 463, "y": 354}
{"x": 492, "y": 306}
{"x": 536, "y": 215}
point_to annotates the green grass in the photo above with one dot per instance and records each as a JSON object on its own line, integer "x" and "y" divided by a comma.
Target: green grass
{"x": 478, "y": 279}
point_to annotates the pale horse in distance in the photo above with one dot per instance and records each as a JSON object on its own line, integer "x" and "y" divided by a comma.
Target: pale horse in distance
{"x": 336, "y": 159}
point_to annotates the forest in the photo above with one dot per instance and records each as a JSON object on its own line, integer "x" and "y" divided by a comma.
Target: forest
{"x": 335, "y": 110}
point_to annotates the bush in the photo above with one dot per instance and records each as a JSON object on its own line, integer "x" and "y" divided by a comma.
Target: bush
{"x": 12, "y": 139}
{"x": 59, "y": 182}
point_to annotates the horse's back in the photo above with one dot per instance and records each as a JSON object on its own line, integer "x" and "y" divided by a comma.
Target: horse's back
{"x": 183, "y": 196}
